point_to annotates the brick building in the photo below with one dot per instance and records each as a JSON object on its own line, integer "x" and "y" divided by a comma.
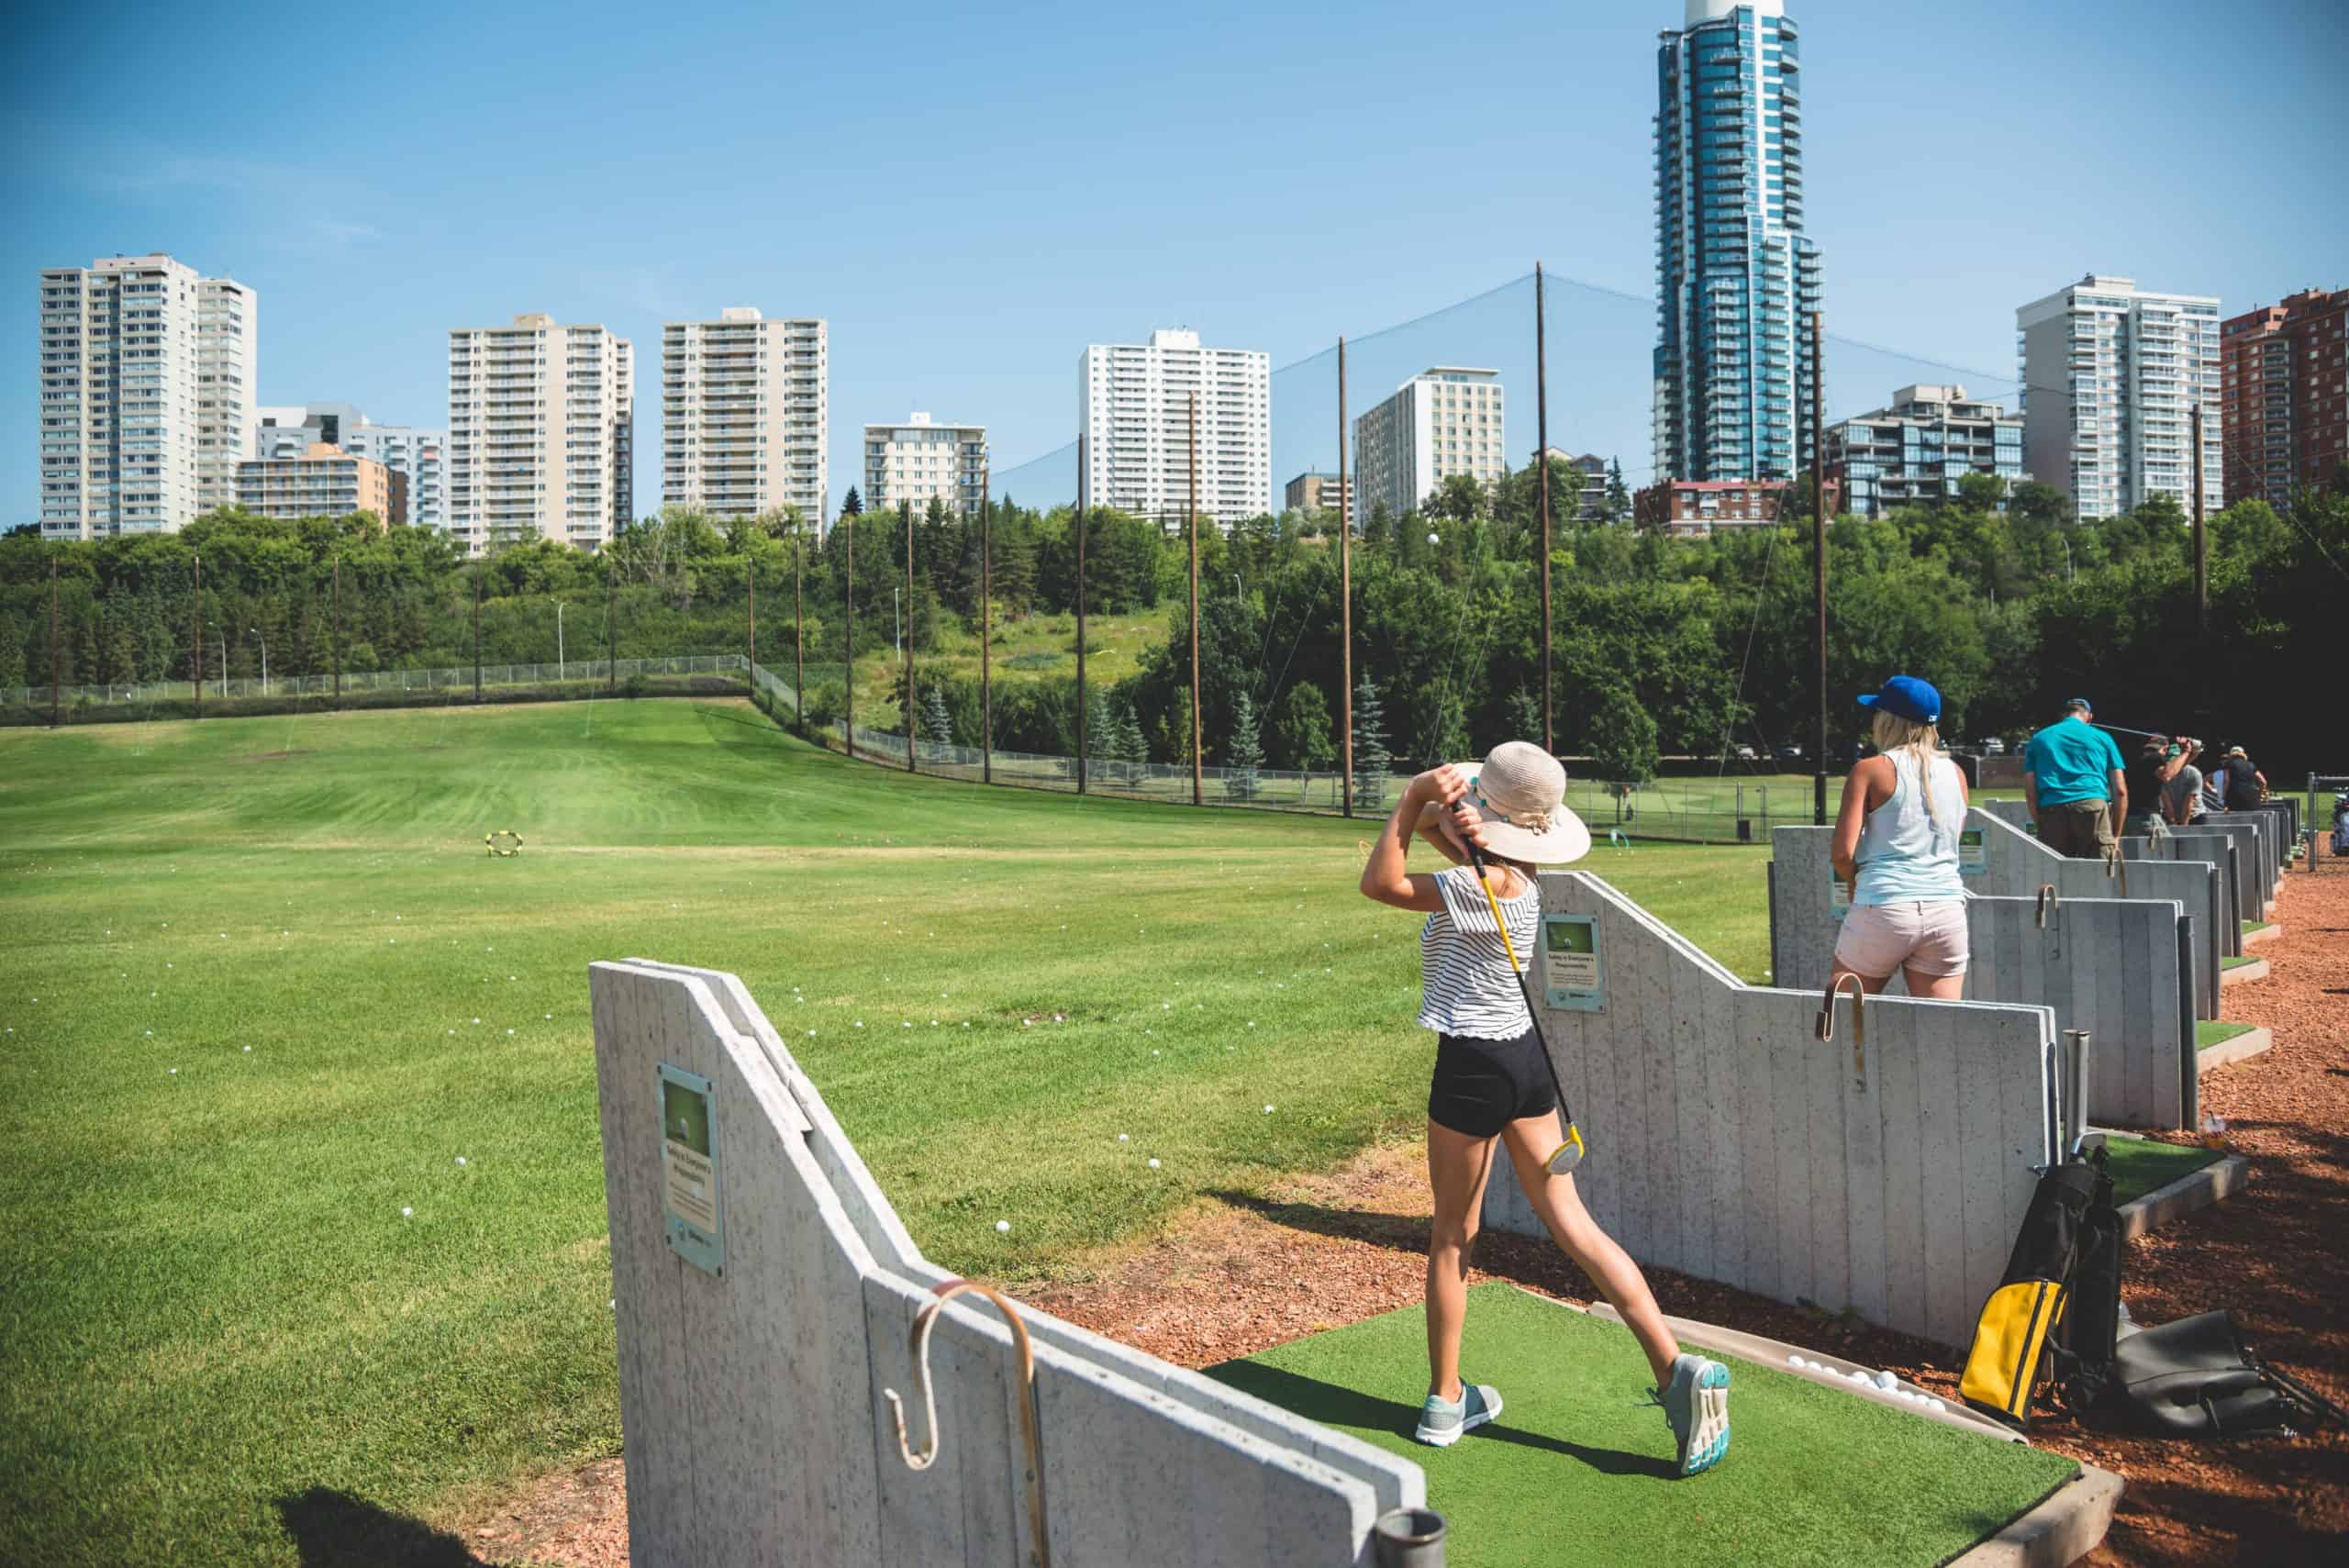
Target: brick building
{"x": 1689, "y": 508}
{"x": 2284, "y": 397}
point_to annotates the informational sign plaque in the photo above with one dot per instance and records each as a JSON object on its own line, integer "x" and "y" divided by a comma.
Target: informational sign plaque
{"x": 689, "y": 1170}
{"x": 1574, "y": 972}
{"x": 1973, "y": 852}
{"x": 1839, "y": 896}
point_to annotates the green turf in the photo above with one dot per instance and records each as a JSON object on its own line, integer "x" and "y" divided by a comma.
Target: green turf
{"x": 2138, "y": 1165}
{"x": 210, "y": 1301}
{"x": 2208, "y": 1032}
{"x": 2238, "y": 960}
{"x": 1578, "y": 1467}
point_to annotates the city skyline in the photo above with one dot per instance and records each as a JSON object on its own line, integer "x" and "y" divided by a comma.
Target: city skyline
{"x": 363, "y": 276}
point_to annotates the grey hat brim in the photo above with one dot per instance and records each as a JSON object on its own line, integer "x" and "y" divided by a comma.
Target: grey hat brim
{"x": 1565, "y": 840}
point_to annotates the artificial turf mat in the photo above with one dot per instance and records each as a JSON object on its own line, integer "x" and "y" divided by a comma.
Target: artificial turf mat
{"x": 2141, "y": 1164}
{"x": 1578, "y": 1466}
{"x": 2208, "y": 1032}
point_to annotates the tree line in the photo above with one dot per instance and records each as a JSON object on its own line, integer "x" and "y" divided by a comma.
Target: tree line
{"x": 1690, "y": 647}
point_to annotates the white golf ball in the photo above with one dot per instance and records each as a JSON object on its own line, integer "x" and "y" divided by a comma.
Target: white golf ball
{"x": 1003, "y": 1225}
{"x": 1121, "y": 1138}
{"x": 249, "y": 1050}
{"x": 406, "y": 1213}
{"x": 1935, "y": 1404}
{"x": 1433, "y": 539}
{"x": 1268, "y": 1110}
{"x": 1154, "y": 1164}
{"x": 460, "y": 1159}
{"x": 1887, "y": 1382}
{"x": 1794, "y": 1360}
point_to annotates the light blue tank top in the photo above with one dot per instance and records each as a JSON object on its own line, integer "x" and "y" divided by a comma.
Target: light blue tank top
{"x": 1906, "y": 855}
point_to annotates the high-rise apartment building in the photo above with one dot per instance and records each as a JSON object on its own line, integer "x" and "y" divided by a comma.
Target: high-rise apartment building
{"x": 1736, "y": 279}
{"x": 1311, "y": 492}
{"x": 2111, "y": 374}
{"x": 1915, "y": 451}
{"x": 745, "y": 415}
{"x": 1445, "y": 421}
{"x": 420, "y": 456}
{"x": 320, "y": 480}
{"x": 2284, "y": 396}
{"x": 541, "y": 433}
{"x": 919, "y": 461}
{"x": 1134, "y": 402}
{"x": 146, "y": 375}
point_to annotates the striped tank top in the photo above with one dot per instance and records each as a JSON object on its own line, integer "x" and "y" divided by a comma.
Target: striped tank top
{"x": 1470, "y": 990}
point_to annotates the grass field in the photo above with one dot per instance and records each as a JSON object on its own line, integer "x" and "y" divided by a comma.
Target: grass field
{"x": 264, "y": 988}
{"x": 1578, "y": 1466}
{"x": 1037, "y": 645}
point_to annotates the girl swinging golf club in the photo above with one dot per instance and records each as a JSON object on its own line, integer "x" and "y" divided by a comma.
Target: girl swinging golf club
{"x": 1494, "y": 1080}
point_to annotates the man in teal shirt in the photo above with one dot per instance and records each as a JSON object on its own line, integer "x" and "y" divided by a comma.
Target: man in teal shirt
{"x": 2072, "y": 778}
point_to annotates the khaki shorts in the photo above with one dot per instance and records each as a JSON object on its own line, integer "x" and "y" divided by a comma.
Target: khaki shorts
{"x": 2080, "y": 829}
{"x": 1928, "y": 937}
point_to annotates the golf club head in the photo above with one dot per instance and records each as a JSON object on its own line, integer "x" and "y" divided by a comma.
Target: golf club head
{"x": 1567, "y": 1155}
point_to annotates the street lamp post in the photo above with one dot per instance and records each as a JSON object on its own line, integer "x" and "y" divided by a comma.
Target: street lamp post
{"x": 264, "y": 661}
{"x": 224, "y": 655}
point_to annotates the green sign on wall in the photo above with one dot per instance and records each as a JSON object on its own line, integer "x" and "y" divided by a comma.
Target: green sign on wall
{"x": 689, "y": 1189}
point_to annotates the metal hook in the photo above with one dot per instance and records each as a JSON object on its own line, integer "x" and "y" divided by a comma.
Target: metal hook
{"x": 2046, "y": 902}
{"x": 919, "y": 1347}
{"x": 2118, "y": 866}
{"x": 1825, "y": 1026}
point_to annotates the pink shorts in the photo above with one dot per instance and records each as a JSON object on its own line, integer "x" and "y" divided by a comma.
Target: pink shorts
{"x": 1928, "y": 937}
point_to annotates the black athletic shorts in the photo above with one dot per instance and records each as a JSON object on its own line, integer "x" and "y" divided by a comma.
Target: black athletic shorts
{"x": 1482, "y": 1085}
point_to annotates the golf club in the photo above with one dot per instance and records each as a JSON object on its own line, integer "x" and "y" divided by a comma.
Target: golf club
{"x": 1566, "y": 1155}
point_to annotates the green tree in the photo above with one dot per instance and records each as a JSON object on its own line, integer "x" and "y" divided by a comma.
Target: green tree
{"x": 1372, "y": 758}
{"x": 852, "y": 503}
{"x": 1303, "y": 738}
{"x": 937, "y": 727}
{"x": 1622, "y": 741}
{"x": 1617, "y": 506}
{"x": 1244, "y": 752}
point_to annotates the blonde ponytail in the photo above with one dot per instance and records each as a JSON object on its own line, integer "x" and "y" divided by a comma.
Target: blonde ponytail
{"x": 1894, "y": 733}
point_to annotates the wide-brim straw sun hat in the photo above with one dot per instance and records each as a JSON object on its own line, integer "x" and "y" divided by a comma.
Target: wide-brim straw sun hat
{"x": 1520, "y": 791}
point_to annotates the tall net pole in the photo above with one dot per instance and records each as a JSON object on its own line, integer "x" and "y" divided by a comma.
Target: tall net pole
{"x": 338, "y": 632}
{"x": 1345, "y": 606}
{"x": 56, "y": 652}
{"x": 1081, "y": 477}
{"x": 798, "y": 625}
{"x": 847, "y": 639}
{"x": 754, "y": 621}
{"x": 612, "y": 631}
{"x": 1541, "y": 456}
{"x": 907, "y": 509}
{"x": 1199, "y": 771}
{"x": 986, "y": 594}
{"x": 2201, "y": 541}
{"x": 476, "y": 634}
{"x": 196, "y": 609}
{"x": 1819, "y": 569}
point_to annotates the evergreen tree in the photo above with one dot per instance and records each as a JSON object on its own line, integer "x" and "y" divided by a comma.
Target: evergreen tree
{"x": 936, "y": 726}
{"x": 1128, "y": 745}
{"x": 852, "y": 503}
{"x": 1246, "y": 751}
{"x": 1617, "y": 504}
{"x": 1371, "y": 755}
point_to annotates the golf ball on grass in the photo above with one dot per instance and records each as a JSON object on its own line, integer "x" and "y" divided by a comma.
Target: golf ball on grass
{"x": 1003, "y": 1226}
{"x": 407, "y": 1213}
{"x": 1154, "y": 1164}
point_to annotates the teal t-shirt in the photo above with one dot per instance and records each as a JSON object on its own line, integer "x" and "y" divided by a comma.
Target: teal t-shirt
{"x": 2072, "y": 760}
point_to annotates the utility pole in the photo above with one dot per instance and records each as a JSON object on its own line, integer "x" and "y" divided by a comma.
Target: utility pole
{"x": 1198, "y": 769}
{"x": 338, "y": 633}
{"x": 1819, "y": 568}
{"x": 2201, "y": 541}
{"x": 754, "y": 623}
{"x": 986, "y": 592}
{"x": 612, "y": 633}
{"x": 56, "y": 675}
{"x": 476, "y": 634}
{"x": 1541, "y": 456}
{"x": 198, "y": 608}
{"x": 907, "y": 507}
{"x": 798, "y": 632}
{"x": 1345, "y": 605}
{"x": 848, "y": 606}
{"x": 1080, "y": 613}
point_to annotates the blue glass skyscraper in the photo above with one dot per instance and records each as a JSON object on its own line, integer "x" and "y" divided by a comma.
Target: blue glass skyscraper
{"x": 1736, "y": 281}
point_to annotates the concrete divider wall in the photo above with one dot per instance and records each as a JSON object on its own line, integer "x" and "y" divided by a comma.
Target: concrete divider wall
{"x": 2016, "y": 865}
{"x": 752, "y": 1403}
{"x": 2269, "y": 827}
{"x": 1727, "y": 1141}
{"x": 2227, "y": 855}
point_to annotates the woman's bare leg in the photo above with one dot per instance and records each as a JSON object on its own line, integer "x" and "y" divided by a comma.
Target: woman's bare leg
{"x": 1935, "y": 987}
{"x": 1594, "y": 1251}
{"x": 1457, "y": 1166}
{"x": 1836, "y": 975}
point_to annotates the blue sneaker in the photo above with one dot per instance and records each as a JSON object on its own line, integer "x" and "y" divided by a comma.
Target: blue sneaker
{"x": 1696, "y": 1405}
{"x": 1442, "y": 1420}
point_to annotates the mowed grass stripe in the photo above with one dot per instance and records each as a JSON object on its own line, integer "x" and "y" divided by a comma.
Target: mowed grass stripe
{"x": 213, "y": 1303}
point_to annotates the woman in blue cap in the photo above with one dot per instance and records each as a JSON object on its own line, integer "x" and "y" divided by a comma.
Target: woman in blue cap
{"x": 1896, "y": 849}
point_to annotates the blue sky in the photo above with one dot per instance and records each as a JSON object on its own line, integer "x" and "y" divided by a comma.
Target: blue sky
{"x": 970, "y": 194}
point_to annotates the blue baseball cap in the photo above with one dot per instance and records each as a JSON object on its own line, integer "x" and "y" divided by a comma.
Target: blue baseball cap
{"x": 1909, "y": 697}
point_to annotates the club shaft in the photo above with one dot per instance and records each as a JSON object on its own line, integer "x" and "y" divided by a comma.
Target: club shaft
{"x": 1524, "y": 987}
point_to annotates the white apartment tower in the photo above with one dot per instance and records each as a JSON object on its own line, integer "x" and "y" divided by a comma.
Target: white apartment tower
{"x": 918, "y": 461}
{"x": 2110, "y": 376}
{"x": 745, "y": 415}
{"x": 541, "y": 433}
{"x": 287, "y": 431}
{"x": 1136, "y": 417}
{"x": 1445, "y": 421}
{"x": 146, "y": 375}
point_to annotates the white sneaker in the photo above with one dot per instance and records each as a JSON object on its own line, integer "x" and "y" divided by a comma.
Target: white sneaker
{"x": 1442, "y": 1420}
